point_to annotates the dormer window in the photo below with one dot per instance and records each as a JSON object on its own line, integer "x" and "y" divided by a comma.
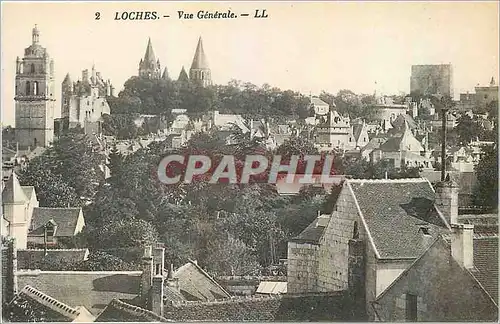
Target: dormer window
{"x": 425, "y": 230}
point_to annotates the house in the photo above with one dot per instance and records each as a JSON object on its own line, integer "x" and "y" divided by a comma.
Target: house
{"x": 23, "y": 220}
{"x": 453, "y": 280}
{"x": 377, "y": 229}
{"x": 54, "y": 225}
{"x": 402, "y": 150}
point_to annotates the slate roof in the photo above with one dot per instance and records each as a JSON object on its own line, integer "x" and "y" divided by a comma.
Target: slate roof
{"x": 119, "y": 311}
{"x": 374, "y": 143}
{"x": 399, "y": 122}
{"x": 486, "y": 264}
{"x": 313, "y": 233}
{"x": 28, "y": 258}
{"x": 92, "y": 289}
{"x": 65, "y": 218}
{"x": 392, "y": 144}
{"x": 196, "y": 284}
{"x": 394, "y": 211}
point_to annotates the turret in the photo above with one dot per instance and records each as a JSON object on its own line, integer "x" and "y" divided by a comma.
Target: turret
{"x": 35, "y": 35}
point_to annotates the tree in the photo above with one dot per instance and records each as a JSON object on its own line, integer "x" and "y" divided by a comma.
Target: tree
{"x": 467, "y": 129}
{"x": 486, "y": 190}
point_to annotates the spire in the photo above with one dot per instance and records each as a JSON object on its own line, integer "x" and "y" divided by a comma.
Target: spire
{"x": 165, "y": 74}
{"x": 67, "y": 79}
{"x": 183, "y": 75}
{"x": 492, "y": 82}
{"x": 150, "y": 54}
{"x": 13, "y": 192}
{"x": 35, "y": 35}
{"x": 199, "y": 60}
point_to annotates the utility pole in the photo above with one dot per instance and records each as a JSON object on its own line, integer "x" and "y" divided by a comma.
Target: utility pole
{"x": 444, "y": 111}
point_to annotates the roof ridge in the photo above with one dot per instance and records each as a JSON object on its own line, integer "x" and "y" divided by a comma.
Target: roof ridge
{"x": 59, "y": 207}
{"x": 50, "y": 302}
{"x": 48, "y": 250}
{"x": 136, "y": 310}
{"x": 209, "y": 276}
{"x": 402, "y": 180}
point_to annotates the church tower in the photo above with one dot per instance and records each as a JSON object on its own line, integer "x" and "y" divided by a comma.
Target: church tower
{"x": 34, "y": 96}
{"x": 149, "y": 67}
{"x": 200, "y": 72}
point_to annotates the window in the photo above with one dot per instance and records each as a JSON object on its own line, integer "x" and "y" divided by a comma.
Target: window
{"x": 355, "y": 233}
{"x": 28, "y": 88}
{"x": 157, "y": 269}
{"x": 35, "y": 88}
{"x": 411, "y": 308}
{"x": 32, "y": 68}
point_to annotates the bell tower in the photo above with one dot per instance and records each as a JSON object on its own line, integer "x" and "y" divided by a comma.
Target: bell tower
{"x": 34, "y": 96}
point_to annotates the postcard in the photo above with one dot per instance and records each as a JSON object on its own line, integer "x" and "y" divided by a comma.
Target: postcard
{"x": 249, "y": 161}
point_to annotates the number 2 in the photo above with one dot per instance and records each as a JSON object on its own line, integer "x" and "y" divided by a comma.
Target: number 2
{"x": 97, "y": 15}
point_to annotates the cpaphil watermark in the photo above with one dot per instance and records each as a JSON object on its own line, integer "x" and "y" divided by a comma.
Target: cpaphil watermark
{"x": 174, "y": 169}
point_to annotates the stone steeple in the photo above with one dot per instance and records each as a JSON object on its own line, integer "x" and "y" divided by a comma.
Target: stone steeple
{"x": 200, "y": 72}
{"x": 149, "y": 67}
{"x": 183, "y": 77}
{"x": 165, "y": 76}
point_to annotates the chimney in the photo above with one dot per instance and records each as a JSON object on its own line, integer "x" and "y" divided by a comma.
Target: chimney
{"x": 171, "y": 281}
{"x": 462, "y": 244}
{"x": 157, "y": 294}
{"x": 447, "y": 200}
{"x": 356, "y": 279}
{"x": 147, "y": 271}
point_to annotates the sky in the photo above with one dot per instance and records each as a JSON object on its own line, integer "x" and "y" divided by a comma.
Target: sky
{"x": 303, "y": 46}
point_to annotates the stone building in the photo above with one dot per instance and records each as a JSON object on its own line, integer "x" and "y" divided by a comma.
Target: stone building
{"x": 333, "y": 131}
{"x": 34, "y": 96}
{"x": 199, "y": 71}
{"x": 149, "y": 67}
{"x": 84, "y": 102}
{"x": 432, "y": 79}
{"x": 486, "y": 95}
{"x": 395, "y": 221}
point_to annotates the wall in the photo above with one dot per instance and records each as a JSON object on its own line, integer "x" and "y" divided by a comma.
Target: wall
{"x": 387, "y": 272}
{"x": 445, "y": 292}
{"x": 333, "y": 253}
{"x": 302, "y": 267}
{"x": 316, "y": 307}
{"x": 432, "y": 79}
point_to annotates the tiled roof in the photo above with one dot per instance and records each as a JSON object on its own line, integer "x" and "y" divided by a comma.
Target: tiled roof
{"x": 91, "y": 289}
{"x": 119, "y": 311}
{"x": 272, "y": 287}
{"x": 196, "y": 284}
{"x": 394, "y": 211}
{"x": 65, "y": 218}
{"x": 393, "y": 144}
{"x": 374, "y": 143}
{"x": 44, "y": 306}
{"x": 28, "y": 258}
{"x": 171, "y": 294}
{"x": 486, "y": 263}
{"x": 13, "y": 191}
